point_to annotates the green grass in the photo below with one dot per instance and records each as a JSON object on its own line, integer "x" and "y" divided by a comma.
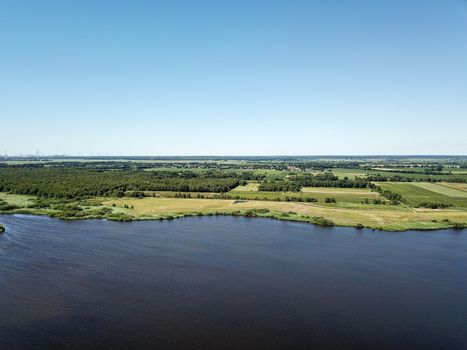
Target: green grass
{"x": 250, "y": 187}
{"x": 388, "y": 217}
{"x": 17, "y": 199}
{"x": 441, "y": 189}
{"x": 395, "y": 218}
{"x": 344, "y": 197}
{"x": 350, "y": 173}
{"x": 416, "y": 194}
{"x": 418, "y": 176}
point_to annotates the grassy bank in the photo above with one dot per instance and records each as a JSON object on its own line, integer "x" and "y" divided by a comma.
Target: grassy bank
{"x": 391, "y": 218}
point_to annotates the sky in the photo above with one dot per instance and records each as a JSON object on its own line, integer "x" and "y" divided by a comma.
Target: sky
{"x": 333, "y": 77}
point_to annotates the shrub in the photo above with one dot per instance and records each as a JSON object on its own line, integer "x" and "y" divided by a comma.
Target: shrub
{"x": 262, "y": 210}
{"x": 7, "y": 207}
{"x": 322, "y": 221}
{"x": 119, "y": 217}
{"x": 433, "y": 205}
{"x": 458, "y": 225}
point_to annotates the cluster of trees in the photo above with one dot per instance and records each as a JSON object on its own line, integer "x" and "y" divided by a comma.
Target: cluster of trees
{"x": 398, "y": 178}
{"x": 395, "y": 198}
{"x": 431, "y": 170}
{"x": 378, "y": 201}
{"x": 328, "y": 180}
{"x": 76, "y": 182}
{"x": 433, "y": 205}
{"x": 296, "y": 182}
{"x": 279, "y": 186}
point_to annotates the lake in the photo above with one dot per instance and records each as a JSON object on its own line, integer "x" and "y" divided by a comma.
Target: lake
{"x": 228, "y": 283}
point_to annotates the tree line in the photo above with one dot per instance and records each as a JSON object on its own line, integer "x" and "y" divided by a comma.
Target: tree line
{"x": 296, "y": 182}
{"x": 398, "y": 178}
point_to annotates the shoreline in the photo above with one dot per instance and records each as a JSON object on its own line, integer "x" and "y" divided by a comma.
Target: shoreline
{"x": 386, "y": 218}
{"x": 244, "y": 215}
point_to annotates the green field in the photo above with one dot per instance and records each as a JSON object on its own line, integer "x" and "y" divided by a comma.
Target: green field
{"x": 419, "y": 192}
{"x": 350, "y": 173}
{"x": 250, "y": 187}
{"x": 419, "y": 176}
{"x": 389, "y": 217}
{"x": 441, "y": 189}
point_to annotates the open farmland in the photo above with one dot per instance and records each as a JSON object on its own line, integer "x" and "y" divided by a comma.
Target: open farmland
{"x": 343, "y": 196}
{"x": 416, "y": 194}
{"x": 250, "y": 187}
{"x": 442, "y": 189}
{"x": 350, "y": 173}
{"x": 457, "y": 186}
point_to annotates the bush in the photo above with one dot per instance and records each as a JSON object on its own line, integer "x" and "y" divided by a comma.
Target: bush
{"x": 2, "y": 228}
{"x": 119, "y": 217}
{"x": 102, "y": 211}
{"x": 7, "y": 207}
{"x": 433, "y": 205}
{"x": 322, "y": 221}
{"x": 261, "y": 211}
{"x": 329, "y": 200}
{"x": 359, "y": 226}
{"x": 458, "y": 226}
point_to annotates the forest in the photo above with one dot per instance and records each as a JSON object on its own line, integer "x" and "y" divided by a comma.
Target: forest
{"x": 78, "y": 182}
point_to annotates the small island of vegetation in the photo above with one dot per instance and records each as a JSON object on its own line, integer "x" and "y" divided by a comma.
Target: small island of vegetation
{"x": 2, "y": 228}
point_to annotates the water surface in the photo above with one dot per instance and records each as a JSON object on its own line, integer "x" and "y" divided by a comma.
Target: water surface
{"x": 228, "y": 283}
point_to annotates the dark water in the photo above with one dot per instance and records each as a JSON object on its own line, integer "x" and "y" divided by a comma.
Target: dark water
{"x": 228, "y": 283}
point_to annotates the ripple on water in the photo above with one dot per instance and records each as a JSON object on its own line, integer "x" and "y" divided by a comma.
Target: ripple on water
{"x": 228, "y": 282}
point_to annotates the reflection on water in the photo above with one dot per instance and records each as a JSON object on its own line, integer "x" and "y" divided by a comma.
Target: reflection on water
{"x": 228, "y": 283}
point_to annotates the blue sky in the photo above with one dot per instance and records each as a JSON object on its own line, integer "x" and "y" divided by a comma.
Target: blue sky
{"x": 233, "y": 77}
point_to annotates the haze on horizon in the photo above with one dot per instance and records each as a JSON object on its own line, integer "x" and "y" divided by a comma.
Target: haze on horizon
{"x": 239, "y": 78}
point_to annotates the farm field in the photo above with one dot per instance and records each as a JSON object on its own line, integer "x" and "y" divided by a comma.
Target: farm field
{"x": 343, "y": 196}
{"x": 456, "y": 186}
{"x": 416, "y": 193}
{"x": 442, "y": 189}
{"x": 250, "y": 187}
{"x": 350, "y": 173}
{"x": 419, "y": 176}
